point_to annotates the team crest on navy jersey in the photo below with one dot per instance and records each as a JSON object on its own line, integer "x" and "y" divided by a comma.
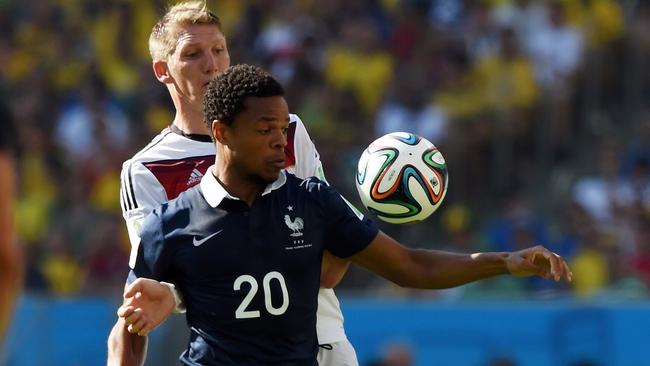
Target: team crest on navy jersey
{"x": 296, "y": 225}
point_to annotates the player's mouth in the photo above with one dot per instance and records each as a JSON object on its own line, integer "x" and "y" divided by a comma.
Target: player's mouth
{"x": 277, "y": 162}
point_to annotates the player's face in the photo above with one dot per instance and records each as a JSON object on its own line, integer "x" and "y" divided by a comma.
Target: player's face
{"x": 201, "y": 53}
{"x": 258, "y": 136}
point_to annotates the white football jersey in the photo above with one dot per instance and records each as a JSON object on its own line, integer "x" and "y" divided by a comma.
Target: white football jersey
{"x": 173, "y": 162}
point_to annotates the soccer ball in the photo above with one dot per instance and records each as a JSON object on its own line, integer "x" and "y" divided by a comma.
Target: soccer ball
{"x": 402, "y": 178}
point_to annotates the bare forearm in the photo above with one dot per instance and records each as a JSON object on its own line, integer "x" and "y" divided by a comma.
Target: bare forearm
{"x": 430, "y": 269}
{"x": 124, "y": 348}
{"x": 437, "y": 270}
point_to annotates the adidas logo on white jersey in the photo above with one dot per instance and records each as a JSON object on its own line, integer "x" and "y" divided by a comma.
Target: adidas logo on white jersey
{"x": 195, "y": 177}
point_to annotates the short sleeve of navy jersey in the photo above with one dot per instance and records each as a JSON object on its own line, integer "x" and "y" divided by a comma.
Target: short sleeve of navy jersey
{"x": 153, "y": 256}
{"x": 346, "y": 234}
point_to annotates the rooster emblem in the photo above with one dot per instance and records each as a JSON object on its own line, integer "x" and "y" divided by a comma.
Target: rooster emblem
{"x": 295, "y": 225}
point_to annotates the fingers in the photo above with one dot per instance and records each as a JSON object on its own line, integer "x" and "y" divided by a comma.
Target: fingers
{"x": 137, "y": 327}
{"x": 554, "y": 263}
{"x": 132, "y": 289}
{"x": 125, "y": 311}
{"x": 133, "y": 317}
{"x": 136, "y": 321}
{"x": 148, "y": 327}
{"x": 568, "y": 275}
{"x": 558, "y": 268}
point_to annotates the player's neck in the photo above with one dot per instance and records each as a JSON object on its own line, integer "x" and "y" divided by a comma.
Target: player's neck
{"x": 190, "y": 122}
{"x": 243, "y": 189}
{"x": 236, "y": 184}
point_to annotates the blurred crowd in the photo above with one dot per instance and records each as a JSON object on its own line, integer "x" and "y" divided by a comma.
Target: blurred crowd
{"x": 538, "y": 107}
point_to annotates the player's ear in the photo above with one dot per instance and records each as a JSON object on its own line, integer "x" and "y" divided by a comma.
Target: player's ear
{"x": 161, "y": 70}
{"x": 220, "y": 132}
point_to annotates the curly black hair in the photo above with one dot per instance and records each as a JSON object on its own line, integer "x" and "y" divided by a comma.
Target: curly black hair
{"x": 225, "y": 96}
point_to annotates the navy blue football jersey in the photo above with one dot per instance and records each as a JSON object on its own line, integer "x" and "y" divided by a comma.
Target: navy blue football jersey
{"x": 250, "y": 275}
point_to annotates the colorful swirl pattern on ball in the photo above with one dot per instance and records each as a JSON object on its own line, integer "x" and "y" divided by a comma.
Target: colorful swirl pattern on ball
{"x": 399, "y": 193}
{"x": 412, "y": 139}
{"x": 440, "y": 170}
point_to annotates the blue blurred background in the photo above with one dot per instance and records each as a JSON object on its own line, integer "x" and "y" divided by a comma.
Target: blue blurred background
{"x": 540, "y": 108}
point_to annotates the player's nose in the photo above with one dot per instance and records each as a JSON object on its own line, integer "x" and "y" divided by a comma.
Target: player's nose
{"x": 211, "y": 65}
{"x": 279, "y": 139}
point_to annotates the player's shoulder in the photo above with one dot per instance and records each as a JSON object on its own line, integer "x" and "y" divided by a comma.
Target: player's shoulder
{"x": 181, "y": 206}
{"x": 167, "y": 146}
{"x": 155, "y": 144}
{"x": 149, "y": 150}
{"x": 309, "y": 184}
{"x": 191, "y": 198}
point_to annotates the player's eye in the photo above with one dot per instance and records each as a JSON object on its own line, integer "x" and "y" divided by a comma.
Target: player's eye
{"x": 263, "y": 131}
{"x": 217, "y": 50}
{"x": 285, "y": 130}
{"x": 192, "y": 54}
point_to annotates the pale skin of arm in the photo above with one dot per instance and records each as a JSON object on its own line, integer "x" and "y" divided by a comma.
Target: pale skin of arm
{"x": 11, "y": 266}
{"x": 413, "y": 268}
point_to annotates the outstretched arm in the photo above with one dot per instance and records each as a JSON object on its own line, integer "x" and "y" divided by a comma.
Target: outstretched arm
{"x": 431, "y": 269}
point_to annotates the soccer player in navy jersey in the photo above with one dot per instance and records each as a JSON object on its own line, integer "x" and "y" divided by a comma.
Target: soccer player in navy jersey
{"x": 244, "y": 247}
{"x": 188, "y": 48}
{"x": 10, "y": 259}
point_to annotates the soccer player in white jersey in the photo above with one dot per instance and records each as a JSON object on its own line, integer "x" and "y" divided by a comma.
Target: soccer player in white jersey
{"x": 188, "y": 49}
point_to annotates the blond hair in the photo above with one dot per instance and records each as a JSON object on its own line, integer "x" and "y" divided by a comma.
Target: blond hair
{"x": 163, "y": 38}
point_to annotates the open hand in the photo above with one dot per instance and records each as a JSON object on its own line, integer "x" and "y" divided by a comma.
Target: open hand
{"x": 538, "y": 261}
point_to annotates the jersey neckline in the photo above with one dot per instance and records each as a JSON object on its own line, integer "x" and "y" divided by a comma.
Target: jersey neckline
{"x": 191, "y": 136}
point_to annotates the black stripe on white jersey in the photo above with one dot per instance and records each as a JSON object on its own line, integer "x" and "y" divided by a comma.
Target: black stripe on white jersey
{"x": 126, "y": 206}
{"x": 130, "y": 193}
{"x": 122, "y": 201}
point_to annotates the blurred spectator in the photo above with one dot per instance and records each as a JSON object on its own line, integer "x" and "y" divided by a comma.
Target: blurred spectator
{"x": 507, "y": 89}
{"x": 601, "y": 20}
{"x": 602, "y": 194}
{"x": 590, "y": 265}
{"x": 481, "y": 33}
{"x": 555, "y": 48}
{"x": 62, "y": 271}
{"x": 410, "y": 108}
{"x": 86, "y": 119}
{"x": 506, "y": 77}
{"x": 359, "y": 63}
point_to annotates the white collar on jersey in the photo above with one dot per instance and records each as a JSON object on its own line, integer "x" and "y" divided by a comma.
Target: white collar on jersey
{"x": 214, "y": 192}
